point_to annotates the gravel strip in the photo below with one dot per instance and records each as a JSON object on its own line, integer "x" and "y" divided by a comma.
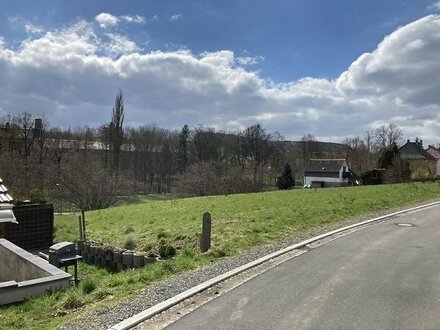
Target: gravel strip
{"x": 160, "y": 291}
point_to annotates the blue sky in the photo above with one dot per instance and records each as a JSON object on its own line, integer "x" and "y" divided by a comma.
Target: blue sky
{"x": 296, "y": 66}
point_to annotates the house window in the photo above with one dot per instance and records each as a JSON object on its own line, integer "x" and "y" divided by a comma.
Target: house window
{"x": 374, "y": 175}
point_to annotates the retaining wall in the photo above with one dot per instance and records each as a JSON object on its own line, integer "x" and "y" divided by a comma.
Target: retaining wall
{"x": 111, "y": 258}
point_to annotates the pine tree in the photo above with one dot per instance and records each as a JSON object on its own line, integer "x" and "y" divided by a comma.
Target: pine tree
{"x": 285, "y": 180}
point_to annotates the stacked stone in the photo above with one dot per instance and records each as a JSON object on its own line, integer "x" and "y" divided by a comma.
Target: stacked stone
{"x": 112, "y": 258}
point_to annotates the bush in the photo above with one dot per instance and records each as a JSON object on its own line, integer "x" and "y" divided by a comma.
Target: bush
{"x": 130, "y": 244}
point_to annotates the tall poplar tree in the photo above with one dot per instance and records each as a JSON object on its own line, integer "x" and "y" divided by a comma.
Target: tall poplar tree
{"x": 116, "y": 131}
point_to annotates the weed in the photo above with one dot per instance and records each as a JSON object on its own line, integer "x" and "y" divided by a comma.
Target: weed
{"x": 129, "y": 230}
{"x": 160, "y": 234}
{"x": 72, "y": 300}
{"x": 130, "y": 244}
{"x": 188, "y": 253}
{"x": 101, "y": 293}
{"x": 88, "y": 285}
{"x": 168, "y": 266}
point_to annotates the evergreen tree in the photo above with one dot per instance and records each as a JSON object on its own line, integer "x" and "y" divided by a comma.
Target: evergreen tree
{"x": 285, "y": 180}
{"x": 182, "y": 152}
{"x": 388, "y": 155}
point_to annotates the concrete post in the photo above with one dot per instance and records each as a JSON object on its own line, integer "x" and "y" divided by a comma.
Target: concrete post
{"x": 205, "y": 237}
{"x": 138, "y": 259}
{"x": 127, "y": 259}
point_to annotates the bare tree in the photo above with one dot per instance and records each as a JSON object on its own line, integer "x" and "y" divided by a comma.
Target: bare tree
{"x": 386, "y": 136}
{"x": 88, "y": 187}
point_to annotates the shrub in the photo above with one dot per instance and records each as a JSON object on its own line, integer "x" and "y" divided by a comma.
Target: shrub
{"x": 130, "y": 244}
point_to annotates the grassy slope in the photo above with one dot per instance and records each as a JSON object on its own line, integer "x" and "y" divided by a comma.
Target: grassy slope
{"x": 239, "y": 222}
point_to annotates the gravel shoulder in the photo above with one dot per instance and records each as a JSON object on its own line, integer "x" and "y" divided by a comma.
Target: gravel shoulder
{"x": 107, "y": 316}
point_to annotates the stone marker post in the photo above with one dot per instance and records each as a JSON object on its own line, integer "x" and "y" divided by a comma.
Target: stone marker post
{"x": 205, "y": 237}
{"x": 81, "y": 234}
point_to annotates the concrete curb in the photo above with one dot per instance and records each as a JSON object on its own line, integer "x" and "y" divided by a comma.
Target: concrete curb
{"x": 154, "y": 310}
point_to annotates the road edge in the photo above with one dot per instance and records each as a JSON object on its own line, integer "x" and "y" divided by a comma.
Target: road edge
{"x": 156, "y": 309}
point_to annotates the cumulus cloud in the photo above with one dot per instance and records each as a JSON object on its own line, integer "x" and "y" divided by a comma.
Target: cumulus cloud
{"x": 120, "y": 45}
{"x": 403, "y": 68}
{"x": 176, "y": 17}
{"x": 72, "y": 76}
{"x": 106, "y": 20}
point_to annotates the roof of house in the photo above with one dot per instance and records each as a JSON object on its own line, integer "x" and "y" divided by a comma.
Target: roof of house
{"x": 4, "y": 195}
{"x": 434, "y": 152}
{"x": 6, "y": 213}
{"x": 414, "y": 150}
{"x": 374, "y": 170}
{"x": 325, "y": 165}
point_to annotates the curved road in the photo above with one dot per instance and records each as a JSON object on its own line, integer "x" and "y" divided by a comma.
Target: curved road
{"x": 385, "y": 276}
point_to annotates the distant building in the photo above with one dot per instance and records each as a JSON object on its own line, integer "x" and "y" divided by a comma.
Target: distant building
{"x": 435, "y": 152}
{"x": 421, "y": 163}
{"x": 320, "y": 173}
{"x": 375, "y": 176}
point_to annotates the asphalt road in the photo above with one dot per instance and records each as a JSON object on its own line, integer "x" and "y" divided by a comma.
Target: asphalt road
{"x": 384, "y": 276}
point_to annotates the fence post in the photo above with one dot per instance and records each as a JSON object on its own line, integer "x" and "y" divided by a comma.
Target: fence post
{"x": 81, "y": 234}
{"x": 205, "y": 237}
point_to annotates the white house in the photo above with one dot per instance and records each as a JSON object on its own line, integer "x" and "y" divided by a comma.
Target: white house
{"x": 320, "y": 173}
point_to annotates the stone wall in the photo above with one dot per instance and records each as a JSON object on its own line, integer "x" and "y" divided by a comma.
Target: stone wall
{"x": 111, "y": 258}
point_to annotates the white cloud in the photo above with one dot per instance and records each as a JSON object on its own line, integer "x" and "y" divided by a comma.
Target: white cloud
{"x": 30, "y": 28}
{"x": 72, "y": 76}
{"x": 133, "y": 19}
{"x": 120, "y": 45}
{"x": 106, "y": 20}
{"x": 404, "y": 66}
{"x": 176, "y": 17}
{"x": 249, "y": 60}
{"x": 435, "y": 6}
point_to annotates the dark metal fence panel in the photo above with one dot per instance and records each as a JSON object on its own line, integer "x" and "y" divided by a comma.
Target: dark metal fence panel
{"x": 35, "y": 226}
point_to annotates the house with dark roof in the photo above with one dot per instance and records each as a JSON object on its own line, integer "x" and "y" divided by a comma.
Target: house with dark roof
{"x": 320, "y": 173}
{"x": 375, "y": 176}
{"x": 435, "y": 152}
{"x": 421, "y": 163}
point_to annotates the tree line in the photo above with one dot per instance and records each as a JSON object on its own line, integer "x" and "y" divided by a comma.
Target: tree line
{"x": 91, "y": 166}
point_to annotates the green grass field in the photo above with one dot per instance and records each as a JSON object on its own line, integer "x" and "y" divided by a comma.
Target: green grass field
{"x": 238, "y": 223}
